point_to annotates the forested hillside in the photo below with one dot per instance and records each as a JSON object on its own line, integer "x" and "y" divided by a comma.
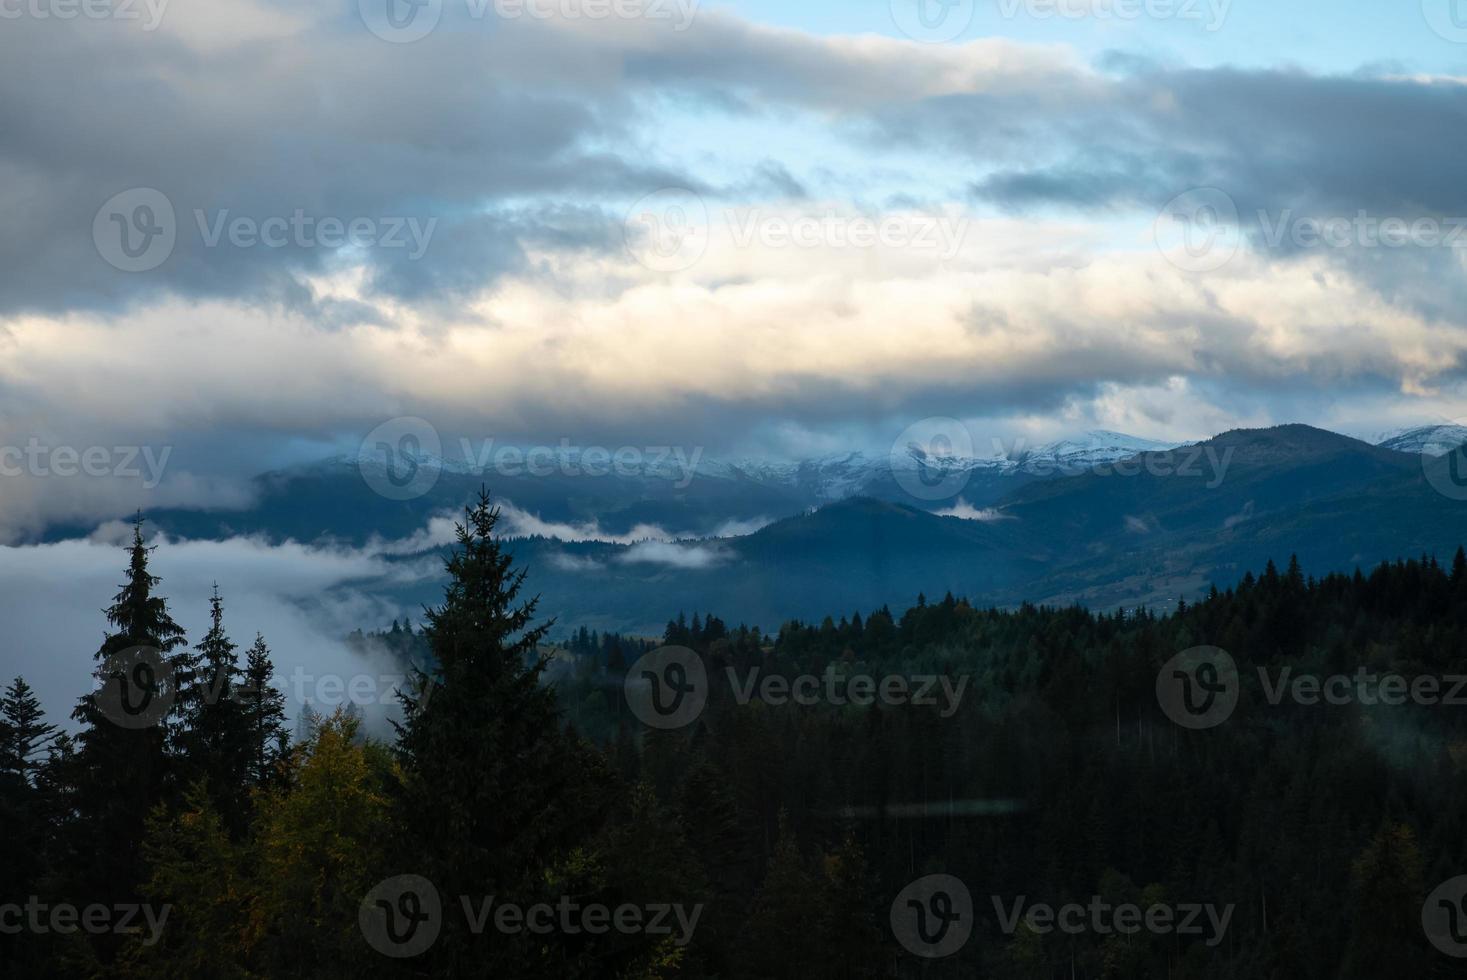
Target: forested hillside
{"x": 1026, "y": 753}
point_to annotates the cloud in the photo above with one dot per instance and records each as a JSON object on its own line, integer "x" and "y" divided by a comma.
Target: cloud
{"x": 516, "y": 523}
{"x": 527, "y": 142}
{"x": 673, "y": 555}
{"x": 304, "y": 599}
{"x": 574, "y": 563}
{"x": 966, "y": 511}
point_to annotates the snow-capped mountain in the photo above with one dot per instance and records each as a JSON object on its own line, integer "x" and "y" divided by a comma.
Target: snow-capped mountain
{"x": 1426, "y": 440}
{"x": 1091, "y": 449}
{"x": 843, "y": 475}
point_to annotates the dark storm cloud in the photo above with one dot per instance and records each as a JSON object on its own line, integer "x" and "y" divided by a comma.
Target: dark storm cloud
{"x": 1271, "y": 139}
{"x": 330, "y": 123}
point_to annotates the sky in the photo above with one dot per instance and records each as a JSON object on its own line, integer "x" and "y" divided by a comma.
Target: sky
{"x": 244, "y": 234}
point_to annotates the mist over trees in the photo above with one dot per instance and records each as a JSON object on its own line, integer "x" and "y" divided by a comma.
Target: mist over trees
{"x": 519, "y": 772}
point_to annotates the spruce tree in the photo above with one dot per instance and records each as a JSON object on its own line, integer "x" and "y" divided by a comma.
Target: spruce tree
{"x": 120, "y": 761}
{"x": 215, "y": 739}
{"x": 494, "y": 792}
{"x": 25, "y": 822}
{"x": 23, "y": 730}
{"x": 264, "y": 714}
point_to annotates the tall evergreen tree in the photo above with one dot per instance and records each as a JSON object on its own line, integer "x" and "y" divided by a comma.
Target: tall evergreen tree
{"x": 23, "y": 730}
{"x": 264, "y": 714}
{"x": 215, "y": 737}
{"x": 24, "y": 817}
{"x": 121, "y": 762}
{"x": 494, "y": 791}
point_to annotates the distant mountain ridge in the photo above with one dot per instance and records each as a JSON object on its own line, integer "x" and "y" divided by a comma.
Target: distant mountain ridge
{"x": 1142, "y": 535}
{"x": 1429, "y": 440}
{"x": 1105, "y": 520}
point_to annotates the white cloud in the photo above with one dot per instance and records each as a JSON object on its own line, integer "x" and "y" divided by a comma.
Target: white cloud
{"x": 674, "y": 555}
{"x": 966, "y": 511}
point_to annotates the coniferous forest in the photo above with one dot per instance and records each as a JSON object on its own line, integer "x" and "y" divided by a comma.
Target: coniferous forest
{"x": 771, "y": 835}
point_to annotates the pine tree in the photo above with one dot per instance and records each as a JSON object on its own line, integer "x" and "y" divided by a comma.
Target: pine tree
{"x": 215, "y": 737}
{"x": 25, "y": 817}
{"x": 120, "y": 764}
{"x": 494, "y": 792}
{"x": 263, "y": 707}
{"x": 23, "y": 730}
{"x": 783, "y": 928}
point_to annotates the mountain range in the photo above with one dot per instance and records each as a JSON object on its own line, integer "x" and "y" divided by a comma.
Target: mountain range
{"x": 1105, "y": 519}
